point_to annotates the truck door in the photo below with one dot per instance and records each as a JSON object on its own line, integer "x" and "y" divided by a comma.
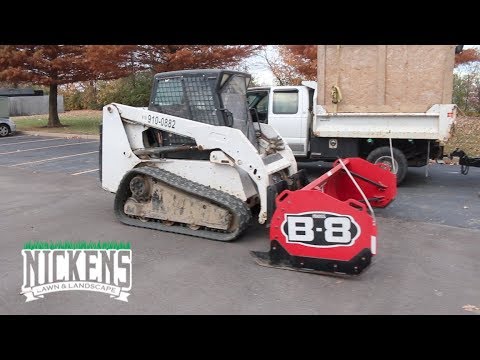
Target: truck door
{"x": 258, "y": 100}
{"x": 288, "y": 114}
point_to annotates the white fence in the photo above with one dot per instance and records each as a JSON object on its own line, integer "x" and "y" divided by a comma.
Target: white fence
{"x": 32, "y": 105}
{"x": 3, "y": 107}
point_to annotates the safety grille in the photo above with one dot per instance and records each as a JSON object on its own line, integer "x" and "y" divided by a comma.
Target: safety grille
{"x": 188, "y": 97}
{"x": 201, "y": 101}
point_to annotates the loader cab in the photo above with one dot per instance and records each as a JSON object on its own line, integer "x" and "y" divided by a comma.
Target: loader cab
{"x": 215, "y": 97}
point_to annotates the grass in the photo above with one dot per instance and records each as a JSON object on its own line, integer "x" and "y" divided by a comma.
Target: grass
{"x": 466, "y": 136}
{"x": 74, "y": 122}
{"x": 68, "y": 245}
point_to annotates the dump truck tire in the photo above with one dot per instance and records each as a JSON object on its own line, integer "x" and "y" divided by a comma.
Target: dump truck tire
{"x": 383, "y": 155}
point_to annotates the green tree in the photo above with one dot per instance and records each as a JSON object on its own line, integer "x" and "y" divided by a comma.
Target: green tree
{"x": 126, "y": 91}
{"x": 466, "y": 81}
{"x": 460, "y": 91}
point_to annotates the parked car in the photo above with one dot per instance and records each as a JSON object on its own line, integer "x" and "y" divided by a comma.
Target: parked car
{"x": 7, "y": 126}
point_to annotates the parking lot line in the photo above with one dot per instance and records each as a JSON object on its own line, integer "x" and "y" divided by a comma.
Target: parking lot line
{"x": 26, "y": 142}
{"x": 16, "y": 137}
{"x": 84, "y": 172}
{"x": 47, "y": 147}
{"x": 55, "y": 158}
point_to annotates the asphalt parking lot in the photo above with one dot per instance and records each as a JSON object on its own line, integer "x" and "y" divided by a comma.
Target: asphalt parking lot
{"x": 427, "y": 260}
{"x": 72, "y": 156}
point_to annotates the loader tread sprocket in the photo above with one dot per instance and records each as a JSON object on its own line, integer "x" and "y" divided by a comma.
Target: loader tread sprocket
{"x": 241, "y": 214}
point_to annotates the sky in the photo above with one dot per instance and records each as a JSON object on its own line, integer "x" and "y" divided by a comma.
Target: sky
{"x": 257, "y": 66}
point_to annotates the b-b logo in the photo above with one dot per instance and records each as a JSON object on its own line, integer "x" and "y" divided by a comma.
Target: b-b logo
{"x": 320, "y": 229}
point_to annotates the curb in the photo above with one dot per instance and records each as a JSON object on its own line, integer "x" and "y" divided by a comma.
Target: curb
{"x": 61, "y": 135}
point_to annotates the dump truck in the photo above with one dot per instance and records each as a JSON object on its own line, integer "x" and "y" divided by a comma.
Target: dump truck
{"x": 378, "y": 103}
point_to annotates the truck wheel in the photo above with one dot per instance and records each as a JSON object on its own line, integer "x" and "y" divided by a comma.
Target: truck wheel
{"x": 382, "y": 155}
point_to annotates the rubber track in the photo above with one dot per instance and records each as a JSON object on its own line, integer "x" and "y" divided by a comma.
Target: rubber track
{"x": 236, "y": 206}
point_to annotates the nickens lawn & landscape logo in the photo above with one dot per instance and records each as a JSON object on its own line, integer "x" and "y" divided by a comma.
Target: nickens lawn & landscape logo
{"x": 52, "y": 267}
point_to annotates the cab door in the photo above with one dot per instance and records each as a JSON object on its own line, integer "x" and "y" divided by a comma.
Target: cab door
{"x": 288, "y": 114}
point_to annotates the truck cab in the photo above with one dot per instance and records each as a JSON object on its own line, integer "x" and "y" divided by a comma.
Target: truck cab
{"x": 289, "y": 109}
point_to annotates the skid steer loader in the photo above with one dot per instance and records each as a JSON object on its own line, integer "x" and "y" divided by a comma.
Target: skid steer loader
{"x": 194, "y": 163}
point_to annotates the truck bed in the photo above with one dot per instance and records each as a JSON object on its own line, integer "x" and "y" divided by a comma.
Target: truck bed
{"x": 435, "y": 124}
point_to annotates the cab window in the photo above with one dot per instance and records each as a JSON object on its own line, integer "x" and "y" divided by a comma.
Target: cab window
{"x": 285, "y": 102}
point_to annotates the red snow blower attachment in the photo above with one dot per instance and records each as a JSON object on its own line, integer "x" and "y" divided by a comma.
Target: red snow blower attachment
{"x": 328, "y": 226}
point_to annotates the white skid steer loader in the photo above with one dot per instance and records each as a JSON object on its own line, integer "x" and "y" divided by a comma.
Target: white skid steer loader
{"x": 194, "y": 163}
